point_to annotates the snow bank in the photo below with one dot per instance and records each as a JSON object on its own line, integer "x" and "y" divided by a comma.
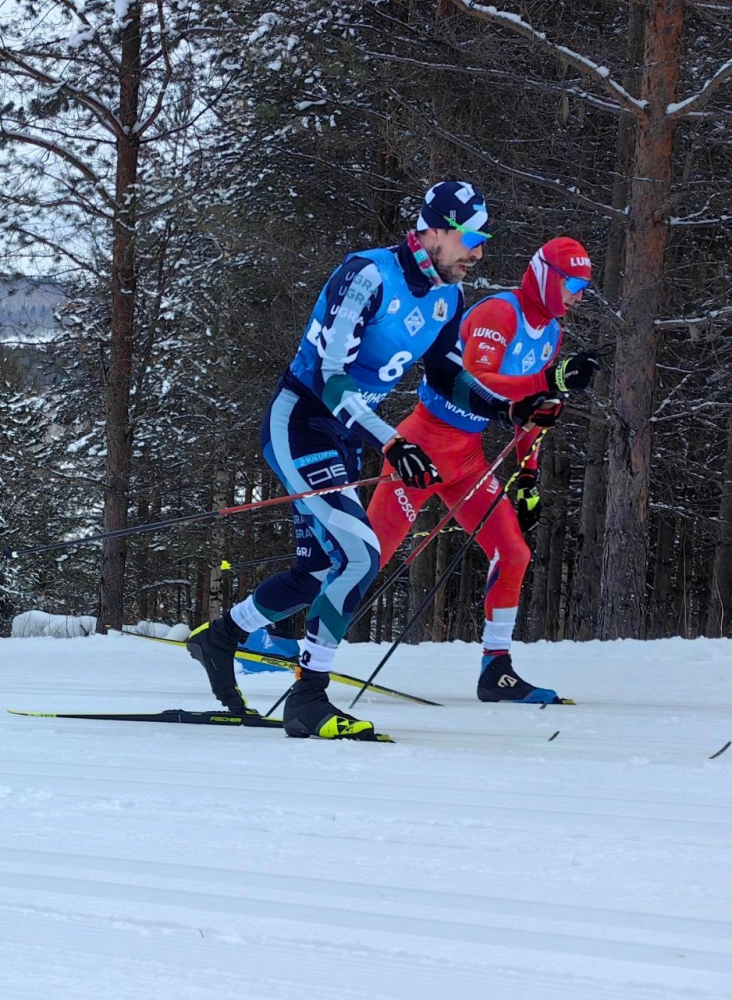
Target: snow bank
{"x": 33, "y": 624}
{"x": 40, "y": 623}
{"x": 158, "y": 630}
{"x": 179, "y": 632}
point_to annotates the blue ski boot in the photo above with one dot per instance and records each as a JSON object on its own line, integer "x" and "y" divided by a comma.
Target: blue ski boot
{"x": 500, "y": 682}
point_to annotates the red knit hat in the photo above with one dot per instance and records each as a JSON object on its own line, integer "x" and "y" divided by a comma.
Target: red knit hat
{"x": 544, "y": 283}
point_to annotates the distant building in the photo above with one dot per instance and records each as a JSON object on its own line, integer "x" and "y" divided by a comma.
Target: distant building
{"x": 27, "y": 310}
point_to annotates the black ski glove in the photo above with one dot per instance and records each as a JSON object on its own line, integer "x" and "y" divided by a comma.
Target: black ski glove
{"x": 539, "y": 409}
{"x": 413, "y": 466}
{"x": 528, "y": 501}
{"x": 573, "y": 374}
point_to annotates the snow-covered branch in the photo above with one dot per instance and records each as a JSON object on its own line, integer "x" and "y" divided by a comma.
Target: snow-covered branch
{"x": 63, "y": 154}
{"x": 78, "y": 11}
{"x": 713, "y": 316}
{"x": 60, "y": 250}
{"x": 587, "y": 67}
{"x": 572, "y": 193}
{"x": 511, "y": 78}
{"x": 700, "y": 223}
{"x": 102, "y": 113}
{"x": 683, "y": 108}
{"x": 165, "y": 51}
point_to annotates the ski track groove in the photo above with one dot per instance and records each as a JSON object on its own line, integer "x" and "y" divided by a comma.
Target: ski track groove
{"x": 271, "y": 882}
{"x": 164, "y": 960}
{"x": 274, "y": 784}
{"x": 488, "y": 810}
{"x": 76, "y": 925}
{"x": 364, "y": 921}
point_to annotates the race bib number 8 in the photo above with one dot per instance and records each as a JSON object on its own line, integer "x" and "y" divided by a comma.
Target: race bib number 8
{"x": 394, "y": 368}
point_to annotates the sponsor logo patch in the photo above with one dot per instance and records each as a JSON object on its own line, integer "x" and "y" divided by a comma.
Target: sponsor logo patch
{"x": 440, "y": 310}
{"x": 407, "y": 509}
{"x": 528, "y": 360}
{"x": 487, "y": 334}
{"x": 414, "y": 321}
{"x": 393, "y": 306}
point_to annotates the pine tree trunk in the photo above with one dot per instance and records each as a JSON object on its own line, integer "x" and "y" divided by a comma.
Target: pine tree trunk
{"x": 439, "y": 621}
{"x": 218, "y": 532}
{"x": 421, "y": 579}
{"x": 585, "y": 599}
{"x": 659, "y": 625}
{"x": 536, "y": 610}
{"x": 388, "y": 600}
{"x": 143, "y": 565}
{"x": 464, "y": 628}
{"x": 719, "y": 614}
{"x": 544, "y": 609}
{"x": 586, "y": 583}
{"x": 558, "y": 499}
{"x": 119, "y": 376}
{"x": 630, "y": 447}
{"x": 684, "y": 580}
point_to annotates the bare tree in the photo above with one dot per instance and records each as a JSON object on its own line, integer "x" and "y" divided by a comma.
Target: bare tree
{"x": 92, "y": 85}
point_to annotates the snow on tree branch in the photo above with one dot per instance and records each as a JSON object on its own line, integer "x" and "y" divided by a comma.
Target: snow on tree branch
{"x": 700, "y": 222}
{"x": 497, "y": 74}
{"x": 103, "y": 114}
{"x": 600, "y": 74}
{"x": 572, "y": 193}
{"x": 63, "y": 154}
{"x": 713, "y": 316}
{"x": 682, "y": 108}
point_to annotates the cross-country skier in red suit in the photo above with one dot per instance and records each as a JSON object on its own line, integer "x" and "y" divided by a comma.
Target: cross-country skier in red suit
{"x": 510, "y": 343}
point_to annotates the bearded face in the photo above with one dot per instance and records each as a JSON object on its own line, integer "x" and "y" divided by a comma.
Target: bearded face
{"x": 451, "y": 258}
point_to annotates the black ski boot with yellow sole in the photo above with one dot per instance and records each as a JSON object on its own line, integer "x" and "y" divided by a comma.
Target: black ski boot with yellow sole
{"x": 309, "y": 713}
{"x": 213, "y": 644}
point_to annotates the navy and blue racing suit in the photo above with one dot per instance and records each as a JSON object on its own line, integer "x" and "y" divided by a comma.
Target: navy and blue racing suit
{"x": 376, "y": 316}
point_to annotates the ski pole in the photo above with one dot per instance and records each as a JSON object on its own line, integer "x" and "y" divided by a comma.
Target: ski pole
{"x": 435, "y": 531}
{"x": 9, "y": 553}
{"x": 420, "y": 548}
{"x": 455, "y": 561}
{"x": 235, "y": 567}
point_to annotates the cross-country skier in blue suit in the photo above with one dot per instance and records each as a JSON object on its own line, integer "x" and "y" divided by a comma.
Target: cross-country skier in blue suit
{"x": 379, "y": 312}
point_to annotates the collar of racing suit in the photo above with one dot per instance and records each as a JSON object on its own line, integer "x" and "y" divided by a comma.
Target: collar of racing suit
{"x": 418, "y": 281}
{"x": 535, "y": 312}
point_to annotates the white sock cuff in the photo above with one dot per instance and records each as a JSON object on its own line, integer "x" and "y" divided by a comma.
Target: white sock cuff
{"x": 320, "y": 657}
{"x": 498, "y": 633}
{"x": 248, "y": 616}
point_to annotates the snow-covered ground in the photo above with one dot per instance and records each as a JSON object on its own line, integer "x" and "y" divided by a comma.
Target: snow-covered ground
{"x": 472, "y": 860}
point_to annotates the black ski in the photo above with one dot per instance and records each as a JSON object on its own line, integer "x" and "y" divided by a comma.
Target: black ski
{"x": 255, "y": 720}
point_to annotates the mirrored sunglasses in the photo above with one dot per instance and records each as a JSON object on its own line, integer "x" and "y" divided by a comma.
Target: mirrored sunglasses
{"x": 470, "y": 238}
{"x": 573, "y": 285}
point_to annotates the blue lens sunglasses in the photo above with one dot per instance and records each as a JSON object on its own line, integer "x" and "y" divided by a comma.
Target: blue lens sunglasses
{"x": 470, "y": 238}
{"x": 573, "y": 285}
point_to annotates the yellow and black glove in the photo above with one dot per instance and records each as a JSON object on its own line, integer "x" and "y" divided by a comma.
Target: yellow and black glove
{"x": 574, "y": 373}
{"x": 528, "y": 501}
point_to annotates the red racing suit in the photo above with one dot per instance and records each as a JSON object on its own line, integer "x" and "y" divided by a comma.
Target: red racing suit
{"x": 507, "y": 342}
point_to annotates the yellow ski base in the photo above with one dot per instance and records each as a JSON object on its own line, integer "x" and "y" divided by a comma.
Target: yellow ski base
{"x": 281, "y": 664}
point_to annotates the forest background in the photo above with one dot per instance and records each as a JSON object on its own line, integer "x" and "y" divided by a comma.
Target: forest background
{"x": 181, "y": 176}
